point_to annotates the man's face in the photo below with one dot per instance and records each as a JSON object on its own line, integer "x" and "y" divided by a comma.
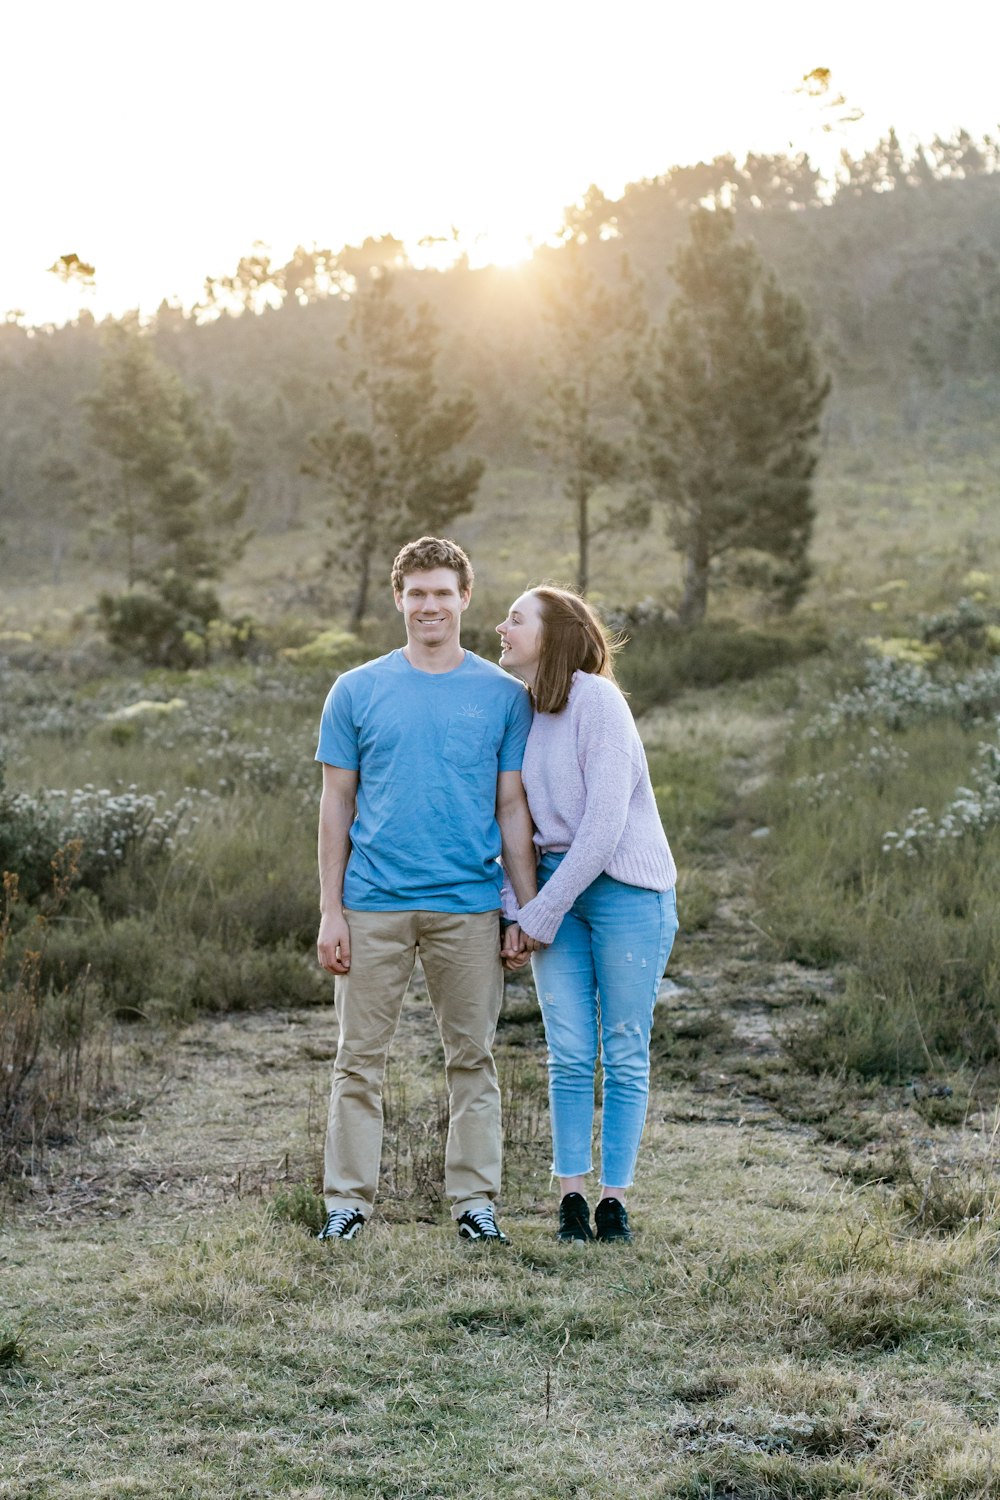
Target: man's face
{"x": 432, "y": 604}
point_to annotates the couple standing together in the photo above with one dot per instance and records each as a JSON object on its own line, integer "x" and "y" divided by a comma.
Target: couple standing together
{"x": 436, "y": 762}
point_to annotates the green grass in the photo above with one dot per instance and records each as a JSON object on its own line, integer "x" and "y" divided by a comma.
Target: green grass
{"x": 918, "y": 936}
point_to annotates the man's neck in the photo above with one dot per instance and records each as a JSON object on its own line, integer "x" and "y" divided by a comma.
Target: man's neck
{"x": 443, "y": 658}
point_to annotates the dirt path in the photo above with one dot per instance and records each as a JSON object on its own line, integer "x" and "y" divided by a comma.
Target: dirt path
{"x": 235, "y": 1106}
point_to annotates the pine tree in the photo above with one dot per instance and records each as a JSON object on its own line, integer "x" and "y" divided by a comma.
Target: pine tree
{"x": 593, "y": 328}
{"x": 729, "y": 417}
{"x": 167, "y": 460}
{"x": 387, "y": 467}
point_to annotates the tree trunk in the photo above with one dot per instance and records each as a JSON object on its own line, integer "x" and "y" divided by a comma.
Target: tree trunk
{"x": 582, "y": 540}
{"x": 131, "y": 528}
{"x": 695, "y": 599}
{"x": 361, "y": 594}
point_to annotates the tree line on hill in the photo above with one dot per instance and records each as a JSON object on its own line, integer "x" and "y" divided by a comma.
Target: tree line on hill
{"x": 631, "y": 359}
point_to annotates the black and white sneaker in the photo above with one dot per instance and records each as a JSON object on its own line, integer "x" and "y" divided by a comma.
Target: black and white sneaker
{"x": 481, "y": 1224}
{"x": 342, "y": 1224}
{"x": 612, "y": 1221}
{"x": 574, "y": 1220}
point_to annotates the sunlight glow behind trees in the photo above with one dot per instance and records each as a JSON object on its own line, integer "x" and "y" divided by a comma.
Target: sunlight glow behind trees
{"x": 160, "y": 154}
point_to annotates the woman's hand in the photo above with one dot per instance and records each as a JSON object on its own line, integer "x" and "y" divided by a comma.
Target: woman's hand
{"x": 517, "y": 947}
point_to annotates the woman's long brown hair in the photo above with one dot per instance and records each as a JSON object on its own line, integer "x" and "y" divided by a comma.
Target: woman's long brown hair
{"x": 573, "y": 640}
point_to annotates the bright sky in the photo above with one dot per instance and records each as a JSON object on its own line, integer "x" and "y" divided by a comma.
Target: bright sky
{"x": 160, "y": 141}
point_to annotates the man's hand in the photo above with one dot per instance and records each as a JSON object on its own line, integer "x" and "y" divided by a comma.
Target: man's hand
{"x": 517, "y": 947}
{"x": 333, "y": 946}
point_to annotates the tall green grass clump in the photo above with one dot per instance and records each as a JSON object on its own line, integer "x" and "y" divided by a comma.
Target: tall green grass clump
{"x": 884, "y": 857}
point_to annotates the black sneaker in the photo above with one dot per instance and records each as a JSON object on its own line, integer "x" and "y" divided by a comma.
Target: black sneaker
{"x": 574, "y": 1220}
{"x": 612, "y": 1220}
{"x": 481, "y": 1224}
{"x": 342, "y": 1224}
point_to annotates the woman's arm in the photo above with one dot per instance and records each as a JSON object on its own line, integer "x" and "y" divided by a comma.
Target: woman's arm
{"x": 516, "y": 841}
{"x": 609, "y": 775}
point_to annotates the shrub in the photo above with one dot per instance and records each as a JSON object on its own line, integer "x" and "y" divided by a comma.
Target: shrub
{"x": 213, "y": 978}
{"x": 903, "y": 896}
{"x": 12, "y": 1349}
{"x": 110, "y": 827}
{"x": 177, "y": 623}
{"x": 333, "y": 650}
{"x": 123, "y": 962}
{"x": 660, "y": 659}
{"x": 964, "y": 632}
{"x": 52, "y": 1051}
{"x": 165, "y": 627}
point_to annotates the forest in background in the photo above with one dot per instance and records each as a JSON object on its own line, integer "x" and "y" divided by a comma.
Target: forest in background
{"x": 898, "y": 267}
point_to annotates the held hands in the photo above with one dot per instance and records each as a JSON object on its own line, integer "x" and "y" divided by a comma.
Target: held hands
{"x": 516, "y": 947}
{"x": 333, "y": 946}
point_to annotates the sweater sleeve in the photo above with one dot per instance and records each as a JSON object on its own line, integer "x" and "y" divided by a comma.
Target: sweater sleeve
{"x": 609, "y": 779}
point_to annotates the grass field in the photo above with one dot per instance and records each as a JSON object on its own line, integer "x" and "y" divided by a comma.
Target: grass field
{"x": 811, "y": 1307}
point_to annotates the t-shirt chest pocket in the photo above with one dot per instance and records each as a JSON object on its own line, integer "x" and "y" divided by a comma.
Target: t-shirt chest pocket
{"x": 464, "y": 740}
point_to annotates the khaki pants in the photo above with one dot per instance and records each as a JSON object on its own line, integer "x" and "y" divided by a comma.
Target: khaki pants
{"x": 460, "y": 953}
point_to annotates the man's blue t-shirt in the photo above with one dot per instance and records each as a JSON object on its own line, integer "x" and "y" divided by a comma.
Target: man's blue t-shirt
{"x": 428, "y": 747}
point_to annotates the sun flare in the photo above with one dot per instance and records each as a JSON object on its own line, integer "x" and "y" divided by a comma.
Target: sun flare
{"x": 505, "y": 248}
{"x": 489, "y": 118}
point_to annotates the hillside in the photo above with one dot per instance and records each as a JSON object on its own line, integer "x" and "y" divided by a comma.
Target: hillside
{"x": 899, "y": 273}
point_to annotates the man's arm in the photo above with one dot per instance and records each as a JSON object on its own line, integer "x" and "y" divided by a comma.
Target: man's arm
{"x": 336, "y": 814}
{"x": 517, "y": 847}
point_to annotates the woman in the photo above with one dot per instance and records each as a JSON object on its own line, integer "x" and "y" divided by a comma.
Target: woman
{"x": 605, "y": 907}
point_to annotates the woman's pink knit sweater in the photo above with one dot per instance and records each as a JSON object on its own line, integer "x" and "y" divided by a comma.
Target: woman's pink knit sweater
{"x": 588, "y": 788}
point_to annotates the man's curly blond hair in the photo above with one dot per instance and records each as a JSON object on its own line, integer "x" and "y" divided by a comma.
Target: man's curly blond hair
{"x": 431, "y": 552}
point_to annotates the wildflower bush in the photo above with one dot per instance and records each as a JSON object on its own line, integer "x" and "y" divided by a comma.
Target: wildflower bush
{"x": 110, "y": 827}
{"x": 884, "y": 857}
{"x": 195, "y": 883}
{"x": 894, "y": 695}
{"x": 972, "y": 812}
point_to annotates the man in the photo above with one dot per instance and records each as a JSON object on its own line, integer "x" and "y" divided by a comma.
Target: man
{"x": 421, "y": 753}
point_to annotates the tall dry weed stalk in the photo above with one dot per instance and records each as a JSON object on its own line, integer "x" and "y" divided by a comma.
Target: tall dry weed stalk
{"x": 53, "y": 1054}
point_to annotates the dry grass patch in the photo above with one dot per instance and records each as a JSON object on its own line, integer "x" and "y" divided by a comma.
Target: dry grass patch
{"x": 236, "y": 1356}
{"x": 736, "y": 1348}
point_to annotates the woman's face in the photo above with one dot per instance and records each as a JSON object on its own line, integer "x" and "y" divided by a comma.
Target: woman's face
{"x": 521, "y": 637}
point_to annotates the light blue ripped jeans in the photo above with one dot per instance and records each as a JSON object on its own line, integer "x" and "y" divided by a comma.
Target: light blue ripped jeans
{"x": 597, "y": 981}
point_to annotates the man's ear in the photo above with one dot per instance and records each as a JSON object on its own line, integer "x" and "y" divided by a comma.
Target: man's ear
{"x": 466, "y": 597}
{"x": 399, "y": 600}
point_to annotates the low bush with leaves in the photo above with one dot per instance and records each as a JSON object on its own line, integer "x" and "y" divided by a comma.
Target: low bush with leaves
{"x": 660, "y": 659}
{"x": 174, "y": 622}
